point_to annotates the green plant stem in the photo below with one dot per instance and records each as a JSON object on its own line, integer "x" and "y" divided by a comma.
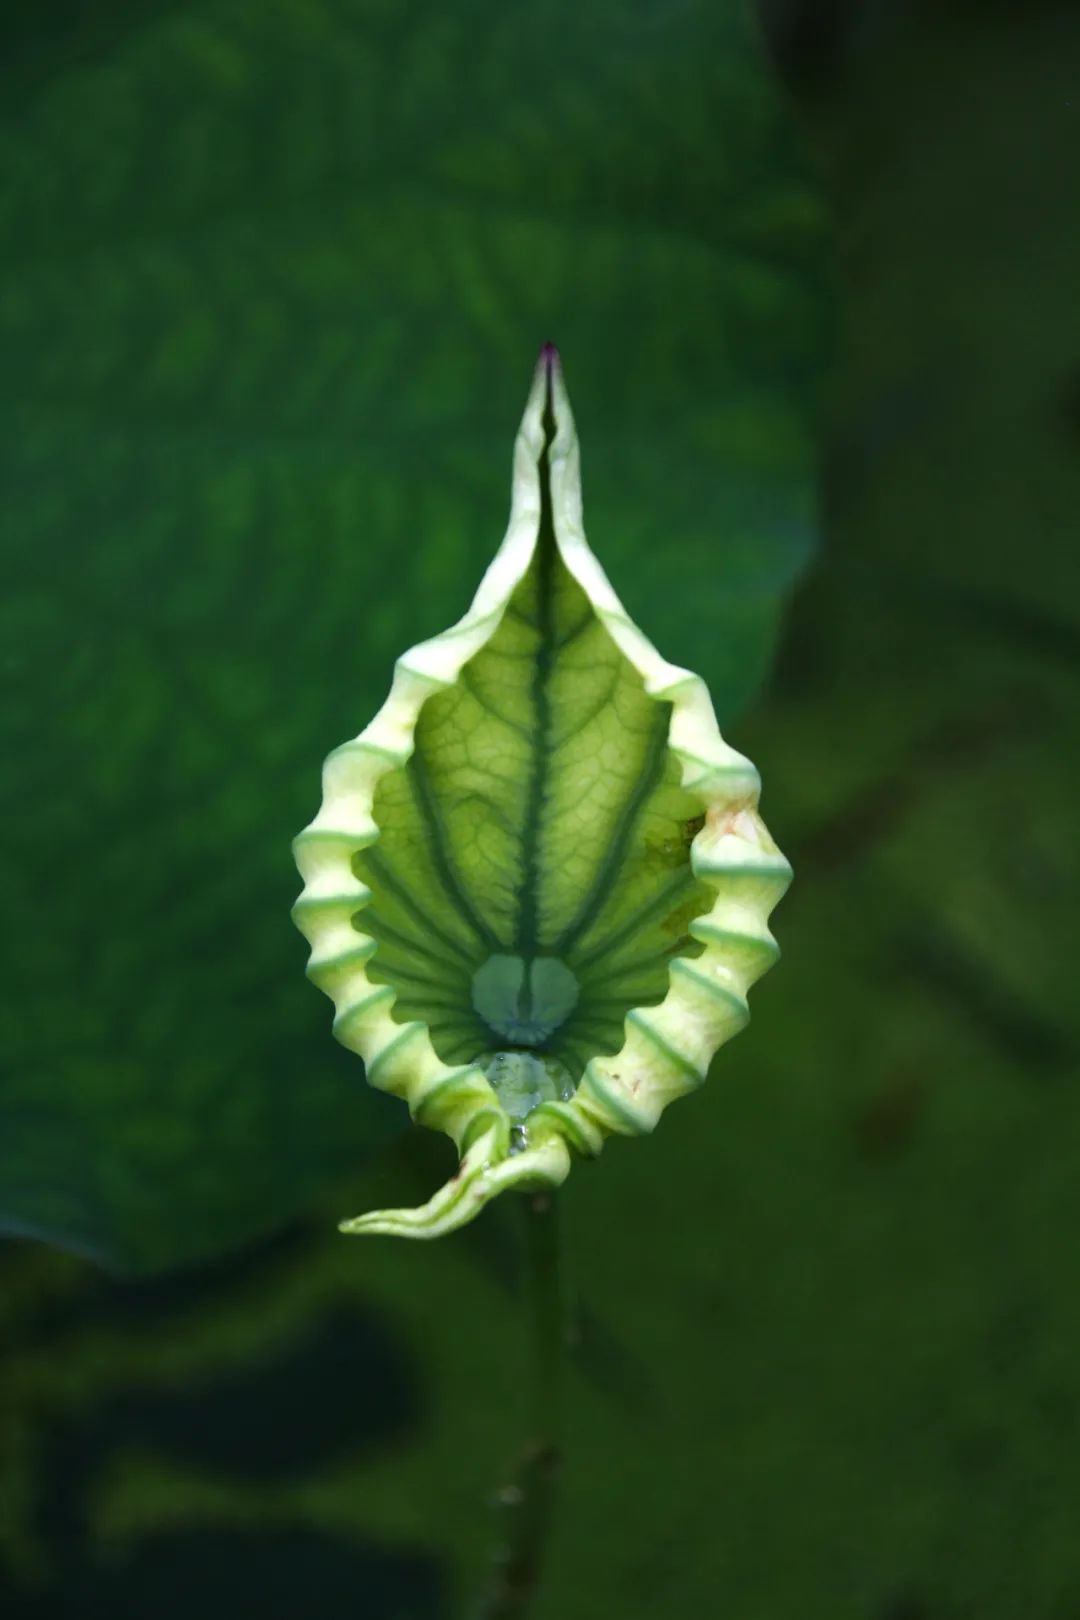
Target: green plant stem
{"x": 544, "y": 1302}
{"x": 524, "y": 1502}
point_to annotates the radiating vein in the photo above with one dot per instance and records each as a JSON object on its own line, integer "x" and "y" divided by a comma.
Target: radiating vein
{"x": 421, "y": 914}
{"x": 424, "y": 798}
{"x": 664, "y": 900}
{"x": 619, "y": 844}
{"x": 389, "y": 962}
{"x": 640, "y": 968}
{"x": 384, "y": 933}
{"x": 544, "y": 659}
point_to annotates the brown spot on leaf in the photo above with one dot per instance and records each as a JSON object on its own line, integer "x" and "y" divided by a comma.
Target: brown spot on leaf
{"x": 691, "y": 829}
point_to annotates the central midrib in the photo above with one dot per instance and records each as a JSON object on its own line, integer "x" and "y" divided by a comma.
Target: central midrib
{"x": 526, "y": 937}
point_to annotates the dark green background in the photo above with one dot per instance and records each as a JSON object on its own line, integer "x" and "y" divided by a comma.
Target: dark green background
{"x": 827, "y": 1355}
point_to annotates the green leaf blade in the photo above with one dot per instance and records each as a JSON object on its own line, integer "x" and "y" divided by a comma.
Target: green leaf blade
{"x": 540, "y": 860}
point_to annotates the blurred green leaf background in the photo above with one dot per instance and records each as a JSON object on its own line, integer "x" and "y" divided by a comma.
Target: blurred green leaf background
{"x": 272, "y": 283}
{"x": 275, "y": 283}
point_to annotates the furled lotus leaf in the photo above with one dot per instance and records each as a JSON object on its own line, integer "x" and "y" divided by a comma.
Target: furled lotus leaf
{"x": 538, "y": 886}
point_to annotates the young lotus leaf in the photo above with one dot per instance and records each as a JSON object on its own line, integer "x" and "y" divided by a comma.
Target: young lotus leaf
{"x": 538, "y": 886}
